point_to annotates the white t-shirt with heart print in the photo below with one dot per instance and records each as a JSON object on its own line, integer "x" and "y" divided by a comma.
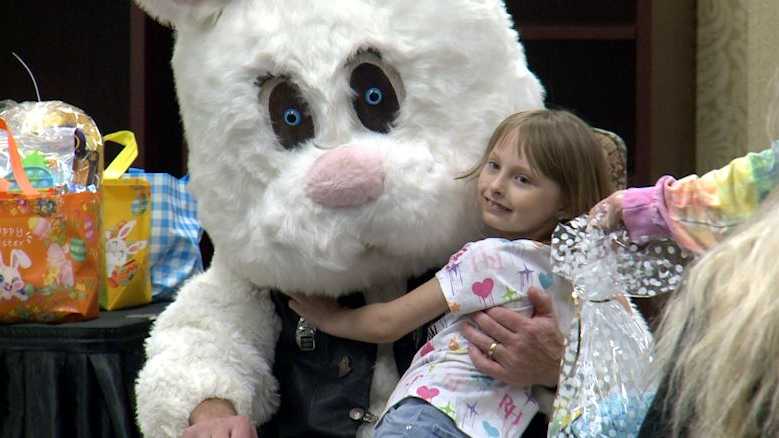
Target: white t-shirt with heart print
{"x": 483, "y": 274}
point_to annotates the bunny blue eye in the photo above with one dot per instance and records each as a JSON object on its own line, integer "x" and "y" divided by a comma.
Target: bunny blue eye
{"x": 374, "y": 96}
{"x": 289, "y": 112}
{"x": 2, "y": 279}
{"x": 292, "y": 117}
{"x": 375, "y": 99}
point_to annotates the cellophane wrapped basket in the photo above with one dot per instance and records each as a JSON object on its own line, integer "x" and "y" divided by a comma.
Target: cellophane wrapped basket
{"x": 607, "y": 381}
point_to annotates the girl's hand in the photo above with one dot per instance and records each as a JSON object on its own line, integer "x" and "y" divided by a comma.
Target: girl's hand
{"x": 607, "y": 214}
{"x": 320, "y": 311}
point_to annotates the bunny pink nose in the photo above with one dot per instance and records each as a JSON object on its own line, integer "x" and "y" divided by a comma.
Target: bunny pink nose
{"x": 346, "y": 177}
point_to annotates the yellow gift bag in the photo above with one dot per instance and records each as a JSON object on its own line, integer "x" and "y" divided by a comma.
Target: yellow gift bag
{"x": 126, "y": 230}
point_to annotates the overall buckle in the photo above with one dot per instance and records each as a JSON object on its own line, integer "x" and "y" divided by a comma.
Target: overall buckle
{"x": 304, "y": 336}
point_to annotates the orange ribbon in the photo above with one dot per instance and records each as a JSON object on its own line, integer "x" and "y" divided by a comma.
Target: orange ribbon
{"x": 16, "y": 165}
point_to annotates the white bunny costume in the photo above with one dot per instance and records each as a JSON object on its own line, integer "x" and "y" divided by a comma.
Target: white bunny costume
{"x": 325, "y": 138}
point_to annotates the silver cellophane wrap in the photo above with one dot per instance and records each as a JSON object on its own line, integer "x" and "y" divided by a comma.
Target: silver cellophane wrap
{"x": 606, "y": 384}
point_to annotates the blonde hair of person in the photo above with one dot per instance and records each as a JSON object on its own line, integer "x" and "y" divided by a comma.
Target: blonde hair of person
{"x": 720, "y": 337}
{"x": 562, "y": 147}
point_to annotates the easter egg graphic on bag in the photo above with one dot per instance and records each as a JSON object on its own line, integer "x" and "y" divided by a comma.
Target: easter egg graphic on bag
{"x": 139, "y": 205}
{"x": 89, "y": 228}
{"x": 39, "y": 226}
{"x": 78, "y": 250}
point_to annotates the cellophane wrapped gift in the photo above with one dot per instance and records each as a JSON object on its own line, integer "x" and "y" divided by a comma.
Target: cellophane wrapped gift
{"x": 50, "y": 253}
{"x": 607, "y": 381}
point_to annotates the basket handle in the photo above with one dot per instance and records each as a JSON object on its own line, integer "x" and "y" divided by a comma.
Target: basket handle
{"x": 125, "y": 158}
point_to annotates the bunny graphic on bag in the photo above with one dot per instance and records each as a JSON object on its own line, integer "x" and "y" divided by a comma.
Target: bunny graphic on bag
{"x": 120, "y": 268}
{"x": 10, "y": 279}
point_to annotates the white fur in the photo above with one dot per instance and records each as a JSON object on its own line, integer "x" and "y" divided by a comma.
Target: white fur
{"x": 184, "y": 12}
{"x": 462, "y": 71}
{"x": 186, "y": 365}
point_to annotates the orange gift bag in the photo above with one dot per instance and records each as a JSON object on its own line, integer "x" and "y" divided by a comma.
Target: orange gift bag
{"x": 50, "y": 259}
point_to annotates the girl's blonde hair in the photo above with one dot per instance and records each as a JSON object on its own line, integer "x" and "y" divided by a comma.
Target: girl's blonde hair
{"x": 563, "y": 148}
{"x": 719, "y": 337}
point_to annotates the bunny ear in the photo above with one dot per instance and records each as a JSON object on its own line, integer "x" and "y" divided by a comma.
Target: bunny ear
{"x": 179, "y": 13}
{"x": 124, "y": 231}
{"x": 137, "y": 246}
{"x": 20, "y": 258}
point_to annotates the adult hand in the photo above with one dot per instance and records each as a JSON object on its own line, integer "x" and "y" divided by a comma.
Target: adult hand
{"x": 528, "y": 349}
{"x": 216, "y": 418}
{"x": 607, "y": 214}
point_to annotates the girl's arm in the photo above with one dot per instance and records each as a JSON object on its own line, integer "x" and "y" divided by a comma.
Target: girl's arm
{"x": 376, "y": 323}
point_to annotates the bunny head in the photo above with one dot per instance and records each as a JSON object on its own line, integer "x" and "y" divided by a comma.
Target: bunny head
{"x": 117, "y": 250}
{"x": 10, "y": 280}
{"x": 326, "y": 137}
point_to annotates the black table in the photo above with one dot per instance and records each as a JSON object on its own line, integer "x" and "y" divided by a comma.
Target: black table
{"x": 73, "y": 380}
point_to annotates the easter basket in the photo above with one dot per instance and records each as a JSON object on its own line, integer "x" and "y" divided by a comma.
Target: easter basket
{"x": 607, "y": 380}
{"x": 50, "y": 255}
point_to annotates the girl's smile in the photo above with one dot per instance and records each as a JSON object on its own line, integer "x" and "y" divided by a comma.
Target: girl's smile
{"x": 495, "y": 207}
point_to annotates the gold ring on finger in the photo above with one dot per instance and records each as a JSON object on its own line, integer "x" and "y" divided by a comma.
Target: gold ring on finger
{"x": 491, "y": 350}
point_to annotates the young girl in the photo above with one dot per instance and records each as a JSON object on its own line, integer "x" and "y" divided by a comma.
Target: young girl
{"x": 539, "y": 168}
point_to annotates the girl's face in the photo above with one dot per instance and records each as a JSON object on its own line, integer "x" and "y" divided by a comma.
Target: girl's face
{"x": 516, "y": 200}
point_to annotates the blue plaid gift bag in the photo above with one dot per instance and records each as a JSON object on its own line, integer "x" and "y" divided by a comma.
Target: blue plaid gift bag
{"x": 175, "y": 233}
